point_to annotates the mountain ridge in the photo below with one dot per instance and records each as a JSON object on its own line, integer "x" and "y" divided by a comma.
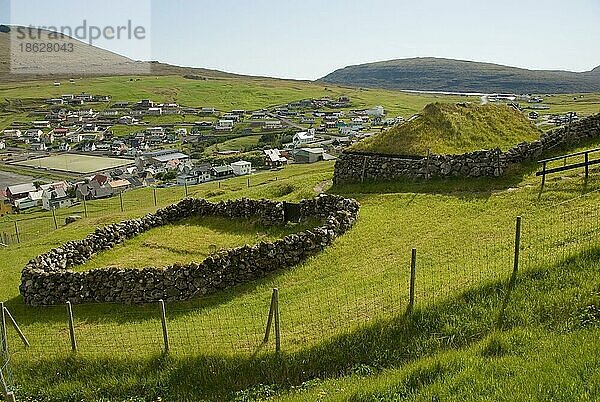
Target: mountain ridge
{"x": 441, "y": 74}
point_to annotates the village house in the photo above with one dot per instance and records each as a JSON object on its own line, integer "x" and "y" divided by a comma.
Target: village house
{"x": 273, "y": 125}
{"x": 208, "y": 111}
{"x": 192, "y": 175}
{"x": 41, "y": 124}
{"x": 304, "y": 137}
{"x": 311, "y": 155}
{"x": 33, "y": 135}
{"x": 55, "y": 199}
{"x": 275, "y": 158}
{"x": 165, "y": 159}
{"x": 19, "y": 191}
{"x": 155, "y": 131}
{"x": 119, "y": 186}
{"x": 127, "y": 120}
{"x": 241, "y": 168}
{"x": 38, "y": 147}
{"x": 32, "y": 200}
{"x": 154, "y": 111}
{"x": 224, "y": 125}
{"x": 220, "y": 172}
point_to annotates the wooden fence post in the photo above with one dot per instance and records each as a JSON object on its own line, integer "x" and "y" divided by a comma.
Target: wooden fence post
{"x": 186, "y": 189}
{"x": 543, "y": 175}
{"x": 277, "y": 324}
{"x": 413, "y": 272}
{"x": 3, "y": 330}
{"x": 54, "y": 217}
{"x": 513, "y": 277}
{"x": 248, "y": 182}
{"x": 71, "y": 327}
{"x": 154, "y": 191}
{"x": 121, "y": 200}
{"x": 163, "y": 319}
{"x": 587, "y": 166}
{"x": 270, "y": 318}
{"x": 17, "y": 233}
{"x": 17, "y": 328}
{"x": 84, "y": 207}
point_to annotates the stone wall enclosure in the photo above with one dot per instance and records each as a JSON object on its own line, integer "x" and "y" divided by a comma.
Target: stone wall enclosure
{"x": 48, "y": 279}
{"x": 357, "y": 167}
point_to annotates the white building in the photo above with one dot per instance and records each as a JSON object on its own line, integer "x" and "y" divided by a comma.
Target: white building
{"x": 241, "y": 168}
{"x": 377, "y": 111}
{"x": 304, "y": 137}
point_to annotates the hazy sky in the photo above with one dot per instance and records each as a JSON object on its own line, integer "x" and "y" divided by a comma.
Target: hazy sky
{"x": 309, "y": 38}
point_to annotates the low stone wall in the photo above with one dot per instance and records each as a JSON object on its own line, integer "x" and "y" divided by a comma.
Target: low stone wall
{"x": 48, "y": 279}
{"x": 356, "y": 167}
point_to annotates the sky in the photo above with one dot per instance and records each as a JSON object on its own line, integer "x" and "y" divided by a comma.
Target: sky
{"x": 310, "y": 38}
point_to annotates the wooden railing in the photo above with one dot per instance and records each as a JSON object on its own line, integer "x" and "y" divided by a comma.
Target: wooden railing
{"x": 587, "y": 162}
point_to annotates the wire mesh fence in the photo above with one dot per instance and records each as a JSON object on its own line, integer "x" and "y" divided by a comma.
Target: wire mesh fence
{"x": 235, "y": 323}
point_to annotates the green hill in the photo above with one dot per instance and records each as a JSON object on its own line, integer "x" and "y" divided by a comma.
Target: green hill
{"x": 436, "y": 74}
{"x": 444, "y": 128}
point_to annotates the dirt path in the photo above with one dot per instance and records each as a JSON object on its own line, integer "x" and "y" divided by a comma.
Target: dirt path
{"x": 320, "y": 188}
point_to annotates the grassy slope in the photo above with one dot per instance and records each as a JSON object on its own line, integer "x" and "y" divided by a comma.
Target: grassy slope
{"x": 548, "y": 351}
{"x": 446, "y": 221}
{"x": 450, "y": 128}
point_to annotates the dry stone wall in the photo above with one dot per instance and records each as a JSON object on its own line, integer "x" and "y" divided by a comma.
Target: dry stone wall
{"x": 48, "y": 279}
{"x": 356, "y": 167}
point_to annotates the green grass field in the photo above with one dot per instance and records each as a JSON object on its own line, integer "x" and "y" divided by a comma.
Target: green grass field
{"x": 82, "y": 164}
{"x": 344, "y": 332}
{"x": 340, "y": 310}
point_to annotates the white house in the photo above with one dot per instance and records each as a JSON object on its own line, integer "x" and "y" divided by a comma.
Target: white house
{"x": 55, "y": 199}
{"x": 154, "y": 111}
{"x": 241, "y": 168}
{"x": 304, "y": 137}
{"x": 273, "y": 125}
{"x": 225, "y": 125}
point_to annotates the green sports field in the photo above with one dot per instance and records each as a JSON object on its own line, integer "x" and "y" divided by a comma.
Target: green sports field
{"x": 82, "y": 164}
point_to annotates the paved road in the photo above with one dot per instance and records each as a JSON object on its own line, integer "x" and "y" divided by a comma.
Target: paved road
{"x": 9, "y": 179}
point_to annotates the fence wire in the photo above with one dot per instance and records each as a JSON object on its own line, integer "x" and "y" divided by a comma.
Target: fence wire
{"x": 234, "y": 323}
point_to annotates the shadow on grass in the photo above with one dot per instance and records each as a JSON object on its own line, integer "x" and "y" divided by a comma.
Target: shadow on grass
{"x": 452, "y": 324}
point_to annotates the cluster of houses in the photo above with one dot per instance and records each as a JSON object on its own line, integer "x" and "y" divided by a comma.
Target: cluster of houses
{"x": 144, "y": 173}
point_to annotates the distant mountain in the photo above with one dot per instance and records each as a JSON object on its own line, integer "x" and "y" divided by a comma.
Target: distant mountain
{"x": 83, "y": 61}
{"x": 434, "y": 74}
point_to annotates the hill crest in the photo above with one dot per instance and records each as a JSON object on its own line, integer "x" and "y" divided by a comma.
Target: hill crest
{"x": 438, "y": 74}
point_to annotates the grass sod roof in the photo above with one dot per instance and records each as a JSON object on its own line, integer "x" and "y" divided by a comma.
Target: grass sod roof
{"x": 444, "y": 128}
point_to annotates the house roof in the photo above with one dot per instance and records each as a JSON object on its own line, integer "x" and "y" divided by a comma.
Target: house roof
{"x": 222, "y": 169}
{"x": 55, "y": 194}
{"x": 241, "y": 163}
{"x": 166, "y": 156}
{"x": 21, "y": 188}
{"x": 119, "y": 183}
